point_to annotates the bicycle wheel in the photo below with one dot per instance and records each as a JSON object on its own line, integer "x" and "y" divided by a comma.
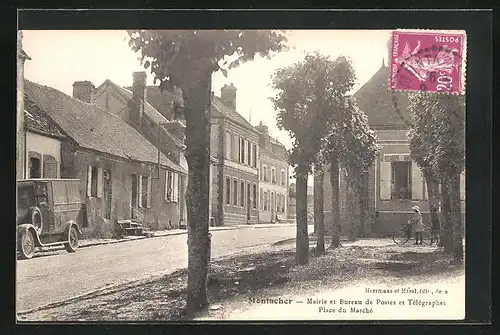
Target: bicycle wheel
{"x": 400, "y": 238}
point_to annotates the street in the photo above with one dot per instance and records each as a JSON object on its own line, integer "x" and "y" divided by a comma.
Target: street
{"x": 44, "y": 280}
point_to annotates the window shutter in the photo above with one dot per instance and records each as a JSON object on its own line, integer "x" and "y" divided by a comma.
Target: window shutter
{"x": 100, "y": 185}
{"x": 166, "y": 185}
{"x": 89, "y": 180}
{"x": 139, "y": 186}
{"x": 416, "y": 182}
{"x": 176, "y": 187}
{"x": 148, "y": 197}
{"x": 462, "y": 186}
{"x": 49, "y": 167}
{"x": 385, "y": 180}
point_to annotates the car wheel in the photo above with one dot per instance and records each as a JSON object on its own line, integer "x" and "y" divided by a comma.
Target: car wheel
{"x": 72, "y": 243}
{"x": 26, "y": 245}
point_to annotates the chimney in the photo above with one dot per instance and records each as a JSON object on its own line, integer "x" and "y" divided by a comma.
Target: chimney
{"x": 228, "y": 95}
{"x": 20, "y": 147}
{"x": 138, "y": 97}
{"x": 84, "y": 91}
{"x": 264, "y": 134}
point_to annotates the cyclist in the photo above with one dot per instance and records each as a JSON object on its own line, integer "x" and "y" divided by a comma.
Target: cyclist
{"x": 418, "y": 225}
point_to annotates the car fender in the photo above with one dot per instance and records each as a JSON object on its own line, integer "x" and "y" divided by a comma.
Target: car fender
{"x": 29, "y": 227}
{"x": 70, "y": 224}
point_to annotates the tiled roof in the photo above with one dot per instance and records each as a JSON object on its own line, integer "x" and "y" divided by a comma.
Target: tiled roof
{"x": 220, "y": 108}
{"x": 374, "y": 98}
{"x": 269, "y": 153}
{"x": 149, "y": 111}
{"x": 37, "y": 121}
{"x": 93, "y": 128}
{"x": 162, "y": 101}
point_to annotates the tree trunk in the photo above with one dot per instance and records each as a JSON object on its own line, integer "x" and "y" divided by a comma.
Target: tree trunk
{"x": 457, "y": 225}
{"x": 432, "y": 195}
{"x": 319, "y": 215}
{"x": 334, "y": 182}
{"x": 350, "y": 215}
{"x": 446, "y": 236}
{"x": 362, "y": 196}
{"x": 197, "y": 113}
{"x": 302, "y": 239}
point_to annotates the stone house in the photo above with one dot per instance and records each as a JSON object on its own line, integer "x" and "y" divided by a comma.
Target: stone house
{"x": 132, "y": 106}
{"x": 395, "y": 183}
{"x": 118, "y": 169}
{"x": 234, "y": 151}
{"x": 273, "y": 178}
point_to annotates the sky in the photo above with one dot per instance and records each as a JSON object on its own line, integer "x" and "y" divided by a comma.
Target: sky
{"x": 59, "y": 58}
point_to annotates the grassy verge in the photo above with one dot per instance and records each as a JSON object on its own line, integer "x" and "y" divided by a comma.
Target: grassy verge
{"x": 268, "y": 272}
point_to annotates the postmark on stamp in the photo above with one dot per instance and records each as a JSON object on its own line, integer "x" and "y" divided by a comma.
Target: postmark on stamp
{"x": 428, "y": 61}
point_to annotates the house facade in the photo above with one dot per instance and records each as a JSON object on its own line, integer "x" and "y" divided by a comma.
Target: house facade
{"x": 273, "y": 178}
{"x": 395, "y": 183}
{"x": 132, "y": 106}
{"x": 118, "y": 169}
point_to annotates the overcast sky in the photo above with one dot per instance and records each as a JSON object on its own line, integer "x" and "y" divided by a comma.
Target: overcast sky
{"x": 59, "y": 58}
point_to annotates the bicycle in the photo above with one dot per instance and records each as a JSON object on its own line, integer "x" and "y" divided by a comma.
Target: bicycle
{"x": 402, "y": 236}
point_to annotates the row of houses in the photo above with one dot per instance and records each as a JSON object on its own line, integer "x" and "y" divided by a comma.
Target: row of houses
{"x": 127, "y": 149}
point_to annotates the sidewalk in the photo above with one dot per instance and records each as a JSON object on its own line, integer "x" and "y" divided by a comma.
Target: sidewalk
{"x": 160, "y": 233}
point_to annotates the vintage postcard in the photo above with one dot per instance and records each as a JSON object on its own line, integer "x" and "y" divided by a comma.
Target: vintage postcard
{"x": 240, "y": 175}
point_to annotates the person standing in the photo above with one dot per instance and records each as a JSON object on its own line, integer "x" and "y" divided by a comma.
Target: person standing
{"x": 418, "y": 224}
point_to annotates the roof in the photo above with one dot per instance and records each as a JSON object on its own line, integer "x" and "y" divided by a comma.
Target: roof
{"x": 374, "y": 98}
{"x": 162, "y": 101}
{"x": 149, "y": 111}
{"x": 37, "y": 121}
{"x": 219, "y": 108}
{"x": 269, "y": 153}
{"x": 94, "y": 128}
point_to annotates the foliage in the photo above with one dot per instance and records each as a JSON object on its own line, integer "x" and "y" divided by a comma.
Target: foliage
{"x": 172, "y": 55}
{"x": 437, "y": 136}
{"x": 309, "y": 92}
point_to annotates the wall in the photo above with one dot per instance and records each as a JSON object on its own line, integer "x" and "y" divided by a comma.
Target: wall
{"x": 230, "y": 167}
{"x": 43, "y": 145}
{"x": 160, "y": 215}
{"x": 276, "y": 188}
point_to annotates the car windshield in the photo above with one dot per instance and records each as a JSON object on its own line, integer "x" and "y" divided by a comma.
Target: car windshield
{"x": 25, "y": 196}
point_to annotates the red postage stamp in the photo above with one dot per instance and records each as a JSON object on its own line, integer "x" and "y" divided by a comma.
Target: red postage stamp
{"x": 428, "y": 61}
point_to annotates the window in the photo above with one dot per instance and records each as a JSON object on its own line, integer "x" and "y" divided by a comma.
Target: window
{"x": 235, "y": 147}
{"x": 228, "y": 191}
{"x": 401, "y": 180}
{"x": 261, "y": 202}
{"x": 278, "y": 202}
{"x": 34, "y": 165}
{"x": 254, "y": 205}
{"x": 135, "y": 188}
{"x": 264, "y": 172}
{"x": 242, "y": 155}
{"x": 242, "y": 196}
{"x": 283, "y": 204}
{"x": 235, "y": 192}
{"x": 273, "y": 175}
{"x": 254, "y": 156}
{"x": 265, "y": 201}
{"x": 172, "y": 186}
{"x": 283, "y": 178}
{"x": 249, "y": 153}
{"x": 228, "y": 145}
{"x": 49, "y": 166}
{"x": 94, "y": 182}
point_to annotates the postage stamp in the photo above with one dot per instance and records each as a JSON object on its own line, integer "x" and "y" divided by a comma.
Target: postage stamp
{"x": 428, "y": 61}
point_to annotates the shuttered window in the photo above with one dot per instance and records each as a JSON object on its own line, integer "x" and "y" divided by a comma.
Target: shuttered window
{"x": 254, "y": 205}
{"x": 49, "y": 166}
{"x": 228, "y": 191}
{"x": 94, "y": 182}
{"x": 228, "y": 145}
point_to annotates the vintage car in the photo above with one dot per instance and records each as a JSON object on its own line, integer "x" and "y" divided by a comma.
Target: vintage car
{"x": 50, "y": 213}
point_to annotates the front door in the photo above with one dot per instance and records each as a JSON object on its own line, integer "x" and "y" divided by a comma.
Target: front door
{"x": 248, "y": 202}
{"x": 107, "y": 194}
{"x": 133, "y": 203}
